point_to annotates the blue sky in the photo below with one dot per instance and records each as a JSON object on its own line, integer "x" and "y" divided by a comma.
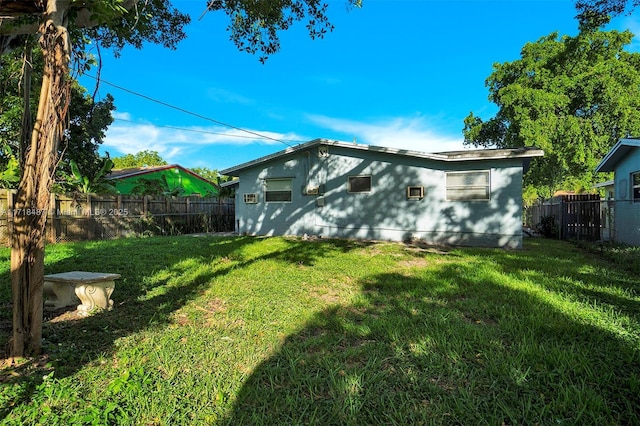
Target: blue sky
{"x": 396, "y": 73}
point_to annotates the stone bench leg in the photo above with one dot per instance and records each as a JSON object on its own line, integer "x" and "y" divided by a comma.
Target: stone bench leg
{"x": 94, "y": 296}
{"x": 59, "y": 295}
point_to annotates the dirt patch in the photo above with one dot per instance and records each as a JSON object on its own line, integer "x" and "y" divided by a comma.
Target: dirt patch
{"x": 414, "y": 263}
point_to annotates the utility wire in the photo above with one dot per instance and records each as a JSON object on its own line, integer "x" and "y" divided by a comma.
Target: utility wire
{"x": 206, "y": 132}
{"x": 261, "y": 136}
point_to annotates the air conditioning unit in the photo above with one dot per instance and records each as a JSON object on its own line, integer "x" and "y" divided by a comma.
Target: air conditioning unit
{"x": 250, "y": 198}
{"x": 312, "y": 190}
{"x": 415, "y": 192}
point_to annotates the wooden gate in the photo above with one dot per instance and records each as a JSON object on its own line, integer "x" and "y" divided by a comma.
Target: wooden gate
{"x": 580, "y": 217}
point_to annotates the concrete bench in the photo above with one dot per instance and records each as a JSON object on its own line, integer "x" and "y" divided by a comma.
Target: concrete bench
{"x": 92, "y": 288}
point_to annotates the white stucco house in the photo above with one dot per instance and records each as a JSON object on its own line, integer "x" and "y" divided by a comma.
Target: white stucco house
{"x": 338, "y": 189}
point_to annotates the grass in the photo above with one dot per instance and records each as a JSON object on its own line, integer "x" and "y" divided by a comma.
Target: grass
{"x": 239, "y": 330}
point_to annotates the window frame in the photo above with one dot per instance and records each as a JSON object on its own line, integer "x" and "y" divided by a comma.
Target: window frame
{"x": 459, "y": 188}
{"x": 267, "y": 192}
{"x": 250, "y": 198}
{"x": 635, "y": 186}
{"x": 349, "y": 189}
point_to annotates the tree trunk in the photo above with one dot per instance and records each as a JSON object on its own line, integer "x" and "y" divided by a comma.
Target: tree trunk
{"x": 32, "y": 199}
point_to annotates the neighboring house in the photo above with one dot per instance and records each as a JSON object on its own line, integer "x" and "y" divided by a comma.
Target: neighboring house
{"x": 338, "y": 189}
{"x": 624, "y": 161}
{"x": 163, "y": 179}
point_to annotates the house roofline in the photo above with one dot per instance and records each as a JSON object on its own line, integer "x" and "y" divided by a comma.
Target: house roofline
{"x": 230, "y": 183}
{"x": 470, "y": 155}
{"x": 141, "y": 171}
{"x": 617, "y": 153}
{"x": 137, "y": 171}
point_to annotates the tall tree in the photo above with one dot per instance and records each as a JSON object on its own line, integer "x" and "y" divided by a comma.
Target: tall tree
{"x": 574, "y": 97}
{"x": 139, "y": 159}
{"x": 593, "y": 14}
{"x": 215, "y": 177}
{"x": 63, "y": 24}
{"x": 88, "y": 120}
{"x": 59, "y": 25}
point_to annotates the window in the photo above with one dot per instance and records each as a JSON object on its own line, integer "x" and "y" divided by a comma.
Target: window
{"x": 635, "y": 182}
{"x": 250, "y": 198}
{"x": 463, "y": 186}
{"x": 415, "y": 192}
{"x": 277, "y": 190}
{"x": 357, "y": 184}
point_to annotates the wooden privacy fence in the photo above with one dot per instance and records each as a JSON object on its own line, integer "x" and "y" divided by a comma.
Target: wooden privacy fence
{"x": 91, "y": 216}
{"x": 577, "y": 217}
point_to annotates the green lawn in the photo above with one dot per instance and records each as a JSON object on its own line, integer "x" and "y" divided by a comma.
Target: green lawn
{"x": 274, "y": 331}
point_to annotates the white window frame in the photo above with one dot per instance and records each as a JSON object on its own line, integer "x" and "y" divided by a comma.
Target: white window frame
{"x": 635, "y": 186}
{"x": 468, "y": 185}
{"x": 349, "y": 189}
{"x": 250, "y": 198}
{"x": 278, "y": 182}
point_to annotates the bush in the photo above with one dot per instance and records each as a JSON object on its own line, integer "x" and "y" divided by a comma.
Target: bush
{"x": 548, "y": 227}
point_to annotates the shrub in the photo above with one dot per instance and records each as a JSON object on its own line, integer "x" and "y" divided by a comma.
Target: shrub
{"x": 548, "y": 227}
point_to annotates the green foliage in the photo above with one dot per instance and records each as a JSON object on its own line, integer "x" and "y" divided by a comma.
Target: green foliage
{"x": 11, "y": 102}
{"x": 217, "y": 178}
{"x": 10, "y": 175}
{"x": 151, "y": 21}
{"x": 95, "y": 184}
{"x": 574, "y": 97}
{"x": 255, "y": 25}
{"x": 548, "y": 227}
{"x": 530, "y": 196}
{"x": 593, "y": 14}
{"x": 88, "y": 123}
{"x": 208, "y": 174}
{"x": 146, "y": 158}
{"x": 88, "y": 120}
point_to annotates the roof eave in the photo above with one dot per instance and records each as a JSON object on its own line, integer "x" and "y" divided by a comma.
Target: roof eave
{"x": 471, "y": 155}
{"x": 617, "y": 153}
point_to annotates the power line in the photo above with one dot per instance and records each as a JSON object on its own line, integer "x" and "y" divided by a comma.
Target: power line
{"x": 124, "y": 89}
{"x": 185, "y": 129}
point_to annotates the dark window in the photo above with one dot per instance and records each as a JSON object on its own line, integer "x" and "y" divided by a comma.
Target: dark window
{"x": 359, "y": 184}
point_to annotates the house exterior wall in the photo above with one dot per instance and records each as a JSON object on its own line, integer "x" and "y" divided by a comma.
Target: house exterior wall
{"x": 384, "y": 213}
{"x": 627, "y": 212}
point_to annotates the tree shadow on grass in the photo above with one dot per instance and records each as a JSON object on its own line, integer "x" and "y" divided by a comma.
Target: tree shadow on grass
{"x": 159, "y": 276}
{"x": 457, "y": 345}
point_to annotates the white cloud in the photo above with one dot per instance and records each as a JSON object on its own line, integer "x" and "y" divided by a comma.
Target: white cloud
{"x": 225, "y": 96}
{"x": 121, "y": 115}
{"x": 415, "y": 133}
{"x": 125, "y": 137}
